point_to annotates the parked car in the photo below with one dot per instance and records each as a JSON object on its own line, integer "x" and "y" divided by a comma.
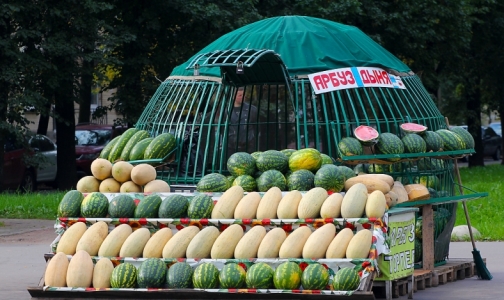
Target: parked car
{"x": 16, "y": 173}
{"x": 496, "y": 126}
{"x": 492, "y": 142}
{"x": 90, "y": 139}
{"x": 42, "y": 145}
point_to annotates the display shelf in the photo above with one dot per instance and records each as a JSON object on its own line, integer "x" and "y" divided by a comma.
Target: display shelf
{"x": 443, "y": 200}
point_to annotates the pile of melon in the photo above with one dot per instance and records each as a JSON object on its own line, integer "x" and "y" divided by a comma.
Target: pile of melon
{"x": 121, "y": 177}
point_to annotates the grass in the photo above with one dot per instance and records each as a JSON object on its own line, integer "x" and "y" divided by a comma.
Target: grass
{"x": 30, "y": 206}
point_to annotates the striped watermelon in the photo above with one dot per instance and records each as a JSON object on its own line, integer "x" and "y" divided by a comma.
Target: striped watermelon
{"x": 70, "y": 205}
{"x": 259, "y": 276}
{"x": 465, "y": 135}
{"x": 330, "y": 178}
{"x": 413, "y": 143}
{"x": 137, "y": 152}
{"x": 256, "y": 154}
{"x": 94, "y": 205}
{"x": 118, "y": 147}
{"x": 124, "y": 276}
{"x": 451, "y": 140}
{"x": 389, "y": 143}
{"x": 137, "y": 137}
{"x": 308, "y": 159}
{"x": 326, "y": 159}
{"x": 200, "y": 207}
{"x": 160, "y": 146}
{"x": 346, "y": 279}
{"x": 433, "y": 141}
{"x": 315, "y": 277}
{"x": 247, "y": 182}
{"x": 174, "y": 206}
{"x": 213, "y": 182}
{"x": 206, "y": 276}
{"x": 287, "y": 276}
{"x": 179, "y": 276}
{"x": 430, "y": 164}
{"x": 106, "y": 150}
{"x": 151, "y": 273}
{"x": 301, "y": 180}
{"x": 269, "y": 179}
{"x": 347, "y": 172}
{"x": 367, "y": 135}
{"x": 230, "y": 179}
{"x": 378, "y": 168}
{"x": 272, "y": 160}
{"x": 349, "y": 146}
{"x": 122, "y": 206}
{"x": 288, "y": 152}
{"x": 148, "y": 207}
{"x": 232, "y": 276}
{"x": 241, "y": 163}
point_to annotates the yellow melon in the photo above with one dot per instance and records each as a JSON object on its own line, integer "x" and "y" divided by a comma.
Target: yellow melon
{"x": 121, "y": 171}
{"x": 88, "y": 184}
{"x": 101, "y": 168}
{"x": 143, "y": 173}
{"x": 158, "y": 185}
{"x": 130, "y": 187}
{"x": 109, "y": 185}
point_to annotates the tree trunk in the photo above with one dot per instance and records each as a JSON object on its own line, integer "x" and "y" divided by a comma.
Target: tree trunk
{"x": 85, "y": 92}
{"x": 44, "y": 119}
{"x": 473, "y": 105}
{"x": 4, "y": 94}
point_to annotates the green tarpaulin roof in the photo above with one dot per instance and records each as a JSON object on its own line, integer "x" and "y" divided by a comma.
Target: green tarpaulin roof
{"x": 306, "y": 45}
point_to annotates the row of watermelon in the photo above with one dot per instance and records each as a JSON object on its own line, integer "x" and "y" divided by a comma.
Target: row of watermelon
{"x": 154, "y": 273}
{"x": 135, "y": 144}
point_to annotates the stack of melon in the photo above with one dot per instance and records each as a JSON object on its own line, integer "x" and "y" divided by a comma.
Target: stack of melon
{"x": 121, "y": 177}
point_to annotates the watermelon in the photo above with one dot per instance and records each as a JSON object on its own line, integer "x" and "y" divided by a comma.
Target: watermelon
{"x": 106, "y": 150}
{"x": 241, "y": 163}
{"x": 124, "y": 276}
{"x": 270, "y": 179}
{"x": 151, "y": 273}
{"x": 232, "y": 276}
{"x": 200, "y": 207}
{"x": 287, "y": 276}
{"x": 256, "y": 154}
{"x": 433, "y": 141}
{"x": 451, "y": 140}
{"x": 378, "y": 168}
{"x": 430, "y": 181}
{"x": 347, "y": 172}
{"x": 94, "y": 205}
{"x": 315, "y": 277}
{"x": 330, "y": 178}
{"x": 247, "y": 182}
{"x": 148, "y": 207}
{"x": 160, "y": 146}
{"x": 389, "y": 143}
{"x": 413, "y": 128}
{"x": 346, "y": 279}
{"x": 122, "y": 206}
{"x": 307, "y": 159}
{"x": 349, "y": 146}
{"x": 137, "y": 137}
{"x": 118, "y": 147}
{"x": 259, "y": 276}
{"x": 465, "y": 135}
{"x": 433, "y": 193}
{"x": 272, "y": 160}
{"x": 367, "y": 135}
{"x": 213, "y": 182}
{"x": 179, "y": 276}
{"x": 70, "y": 205}
{"x": 430, "y": 164}
{"x": 413, "y": 143}
{"x": 138, "y": 150}
{"x": 301, "y": 180}
{"x": 326, "y": 159}
{"x": 230, "y": 179}
{"x": 288, "y": 152}
{"x": 206, "y": 276}
{"x": 173, "y": 206}
{"x": 418, "y": 250}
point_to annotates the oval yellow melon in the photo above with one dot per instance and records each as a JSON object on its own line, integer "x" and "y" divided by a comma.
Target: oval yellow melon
{"x": 268, "y": 205}
{"x": 310, "y": 204}
{"x": 88, "y": 184}
{"x": 109, "y": 185}
{"x": 114, "y": 241}
{"x": 121, "y": 171}
{"x": 224, "y": 246}
{"x": 271, "y": 243}
{"x": 201, "y": 245}
{"x": 338, "y": 246}
{"x": 157, "y": 186}
{"x": 331, "y": 208}
{"x": 376, "y": 205}
{"x": 248, "y": 245}
{"x": 130, "y": 187}
{"x": 293, "y": 245}
{"x": 92, "y": 239}
{"x": 354, "y": 201}
{"x": 102, "y": 272}
{"x": 80, "y": 270}
{"x": 68, "y": 242}
{"x": 155, "y": 245}
{"x": 226, "y": 205}
{"x": 133, "y": 246}
{"x": 317, "y": 243}
{"x": 288, "y": 206}
{"x": 372, "y": 183}
{"x": 56, "y": 271}
{"x": 176, "y": 247}
{"x": 360, "y": 244}
{"x": 101, "y": 168}
{"x": 247, "y": 207}
{"x": 141, "y": 174}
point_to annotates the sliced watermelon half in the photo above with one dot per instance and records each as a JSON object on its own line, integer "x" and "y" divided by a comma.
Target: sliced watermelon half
{"x": 413, "y": 128}
{"x": 367, "y": 135}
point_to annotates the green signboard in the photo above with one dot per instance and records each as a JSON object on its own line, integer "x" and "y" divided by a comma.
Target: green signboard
{"x": 401, "y": 236}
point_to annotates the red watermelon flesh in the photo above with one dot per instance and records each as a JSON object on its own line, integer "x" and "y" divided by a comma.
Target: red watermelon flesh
{"x": 413, "y": 128}
{"x": 366, "y": 134}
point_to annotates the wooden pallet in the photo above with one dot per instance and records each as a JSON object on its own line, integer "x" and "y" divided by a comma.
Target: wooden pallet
{"x": 422, "y": 280}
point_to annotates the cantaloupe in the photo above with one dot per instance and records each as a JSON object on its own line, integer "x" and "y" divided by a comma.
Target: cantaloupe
{"x": 68, "y": 242}
{"x": 141, "y": 174}
{"x": 271, "y": 243}
{"x": 157, "y": 186}
{"x": 293, "y": 245}
{"x": 130, "y": 187}
{"x": 417, "y": 192}
{"x": 249, "y": 244}
{"x": 102, "y": 272}
{"x": 331, "y": 208}
{"x": 402, "y": 195}
{"x": 80, "y": 270}
{"x": 156, "y": 243}
{"x": 56, "y": 271}
{"x": 372, "y": 183}
{"x": 109, "y": 185}
{"x": 92, "y": 239}
{"x": 133, "y": 246}
{"x": 268, "y": 205}
{"x": 101, "y": 168}
{"x": 247, "y": 207}
{"x": 88, "y": 184}
{"x": 317, "y": 243}
{"x": 338, "y": 246}
{"x": 360, "y": 244}
{"x": 226, "y": 205}
{"x": 376, "y": 205}
{"x": 354, "y": 201}
{"x": 201, "y": 245}
{"x": 121, "y": 171}
{"x": 310, "y": 204}
{"x": 114, "y": 241}
{"x": 225, "y": 244}
{"x": 288, "y": 206}
{"x": 176, "y": 247}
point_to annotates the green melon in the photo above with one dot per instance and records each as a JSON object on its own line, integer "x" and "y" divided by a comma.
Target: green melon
{"x": 465, "y": 135}
{"x": 138, "y": 150}
{"x": 418, "y": 250}
{"x": 213, "y": 182}
{"x": 451, "y": 140}
{"x": 122, "y": 206}
{"x": 94, "y": 205}
{"x": 272, "y": 160}
{"x": 326, "y": 159}
{"x": 413, "y": 143}
{"x": 151, "y": 273}
{"x": 301, "y": 180}
{"x": 287, "y": 276}
{"x": 230, "y": 179}
{"x": 315, "y": 277}
{"x": 256, "y": 154}
{"x": 232, "y": 276}
{"x": 269, "y": 179}
{"x": 433, "y": 141}
{"x": 247, "y": 182}
{"x": 330, "y": 178}
{"x": 347, "y": 172}
{"x": 288, "y": 152}
{"x": 70, "y": 205}
{"x": 179, "y": 276}
{"x": 124, "y": 276}
{"x": 160, "y": 146}
{"x": 389, "y": 143}
{"x": 378, "y": 168}
{"x": 135, "y": 139}
{"x": 173, "y": 207}
{"x": 350, "y": 146}
{"x": 148, "y": 207}
{"x": 200, "y": 207}
{"x": 106, "y": 150}
{"x": 260, "y": 276}
{"x": 118, "y": 147}
{"x": 346, "y": 279}
{"x": 241, "y": 163}
{"x": 307, "y": 159}
{"x": 206, "y": 276}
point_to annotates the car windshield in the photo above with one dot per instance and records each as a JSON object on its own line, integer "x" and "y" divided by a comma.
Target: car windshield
{"x": 497, "y": 128}
{"x": 98, "y": 137}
